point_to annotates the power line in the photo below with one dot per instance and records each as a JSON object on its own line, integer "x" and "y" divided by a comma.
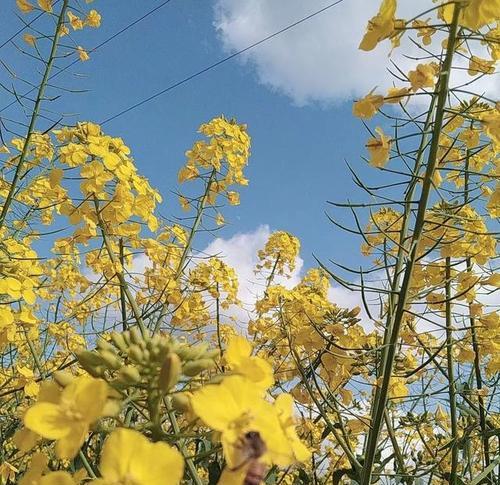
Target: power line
{"x": 218, "y": 63}
{"x": 98, "y": 46}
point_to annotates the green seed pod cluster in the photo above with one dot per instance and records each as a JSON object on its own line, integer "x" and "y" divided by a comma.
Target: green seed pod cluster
{"x": 130, "y": 359}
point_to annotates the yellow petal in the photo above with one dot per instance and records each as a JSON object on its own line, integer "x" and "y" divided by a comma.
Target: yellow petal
{"x": 47, "y": 420}
{"x": 24, "y": 6}
{"x": 45, "y": 5}
{"x": 157, "y": 464}
{"x": 237, "y": 349}
{"x": 68, "y": 446}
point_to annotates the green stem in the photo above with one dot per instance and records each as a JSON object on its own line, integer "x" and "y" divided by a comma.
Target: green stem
{"x": 451, "y": 377}
{"x": 34, "y": 114}
{"x": 393, "y": 335}
{"x": 475, "y": 346}
{"x": 86, "y": 464}
{"x": 187, "y": 247}
{"x": 119, "y": 274}
{"x": 180, "y": 444}
{"x": 123, "y": 305}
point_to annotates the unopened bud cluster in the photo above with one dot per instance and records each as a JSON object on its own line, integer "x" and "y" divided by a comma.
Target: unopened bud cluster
{"x": 130, "y": 359}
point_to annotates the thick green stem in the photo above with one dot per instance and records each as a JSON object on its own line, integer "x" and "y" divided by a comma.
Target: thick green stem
{"x": 123, "y": 305}
{"x": 390, "y": 351}
{"x": 34, "y": 114}
{"x": 451, "y": 376}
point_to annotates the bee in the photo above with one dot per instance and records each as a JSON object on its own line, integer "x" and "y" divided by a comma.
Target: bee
{"x": 252, "y": 447}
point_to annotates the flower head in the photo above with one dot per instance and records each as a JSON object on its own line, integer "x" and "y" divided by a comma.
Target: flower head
{"x": 130, "y": 458}
{"x": 379, "y": 149}
{"x": 70, "y": 414}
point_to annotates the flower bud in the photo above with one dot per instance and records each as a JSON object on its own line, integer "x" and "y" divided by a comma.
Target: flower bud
{"x": 169, "y": 372}
{"x": 90, "y": 361}
{"x": 110, "y": 359}
{"x": 128, "y": 374}
{"x": 193, "y": 368}
{"x": 119, "y": 341}
{"x": 135, "y": 353}
{"x": 63, "y": 378}
{"x": 104, "y": 345}
{"x": 180, "y": 402}
{"x": 135, "y": 335}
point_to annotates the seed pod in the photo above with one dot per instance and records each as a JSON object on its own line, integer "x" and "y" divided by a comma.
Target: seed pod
{"x": 169, "y": 372}
{"x": 111, "y": 359}
{"x": 63, "y": 378}
{"x": 128, "y": 374}
{"x": 180, "y": 402}
{"x": 135, "y": 353}
{"x": 119, "y": 341}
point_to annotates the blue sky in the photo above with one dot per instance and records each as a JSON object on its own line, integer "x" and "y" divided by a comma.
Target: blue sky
{"x": 299, "y": 146}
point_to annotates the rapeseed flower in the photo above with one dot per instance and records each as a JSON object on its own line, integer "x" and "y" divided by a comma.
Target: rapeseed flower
{"x": 130, "y": 458}
{"x": 67, "y": 415}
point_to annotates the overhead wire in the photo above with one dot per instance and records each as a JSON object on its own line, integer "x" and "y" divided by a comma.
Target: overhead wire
{"x": 95, "y": 48}
{"x": 218, "y": 63}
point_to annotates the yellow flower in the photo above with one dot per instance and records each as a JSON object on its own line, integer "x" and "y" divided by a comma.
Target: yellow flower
{"x": 396, "y": 95}
{"x": 474, "y": 14}
{"x": 57, "y": 478}
{"x": 238, "y": 358}
{"x": 397, "y": 389}
{"x": 236, "y": 407}
{"x": 45, "y": 5}
{"x": 82, "y": 54}
{"x": 219, "y": 219}
{"x": 187, "y": 173}
{"x": 93, "y": 19}
{"x": 422, "y": 77}
{"x": 366, "y": 107}
{"x": 233, "y": 197}
{"x": 37, "y": 467}
{"x": 24, "y": 6}
{"x": 480, "y": 66}
{"x": 68, "y": 420}
{"x": 379, "y": 149}
{"x": 29, "y": 39}
{"x": 284, "y": 409}
{"x": 491, "y": 125}
{"x": 379, "y": 27}
{"x": 76, "y": 22}
{"x": 128, "y": 457}
{"x": 73, "y": 154}
{"x": 6, "y": 317}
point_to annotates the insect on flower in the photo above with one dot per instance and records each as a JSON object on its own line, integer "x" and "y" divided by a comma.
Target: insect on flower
{"x": 252, "y": 447}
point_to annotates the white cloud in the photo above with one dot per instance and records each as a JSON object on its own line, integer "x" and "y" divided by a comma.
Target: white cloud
{"x": 240, "y": 252}
{"x": 318, "y": 60}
